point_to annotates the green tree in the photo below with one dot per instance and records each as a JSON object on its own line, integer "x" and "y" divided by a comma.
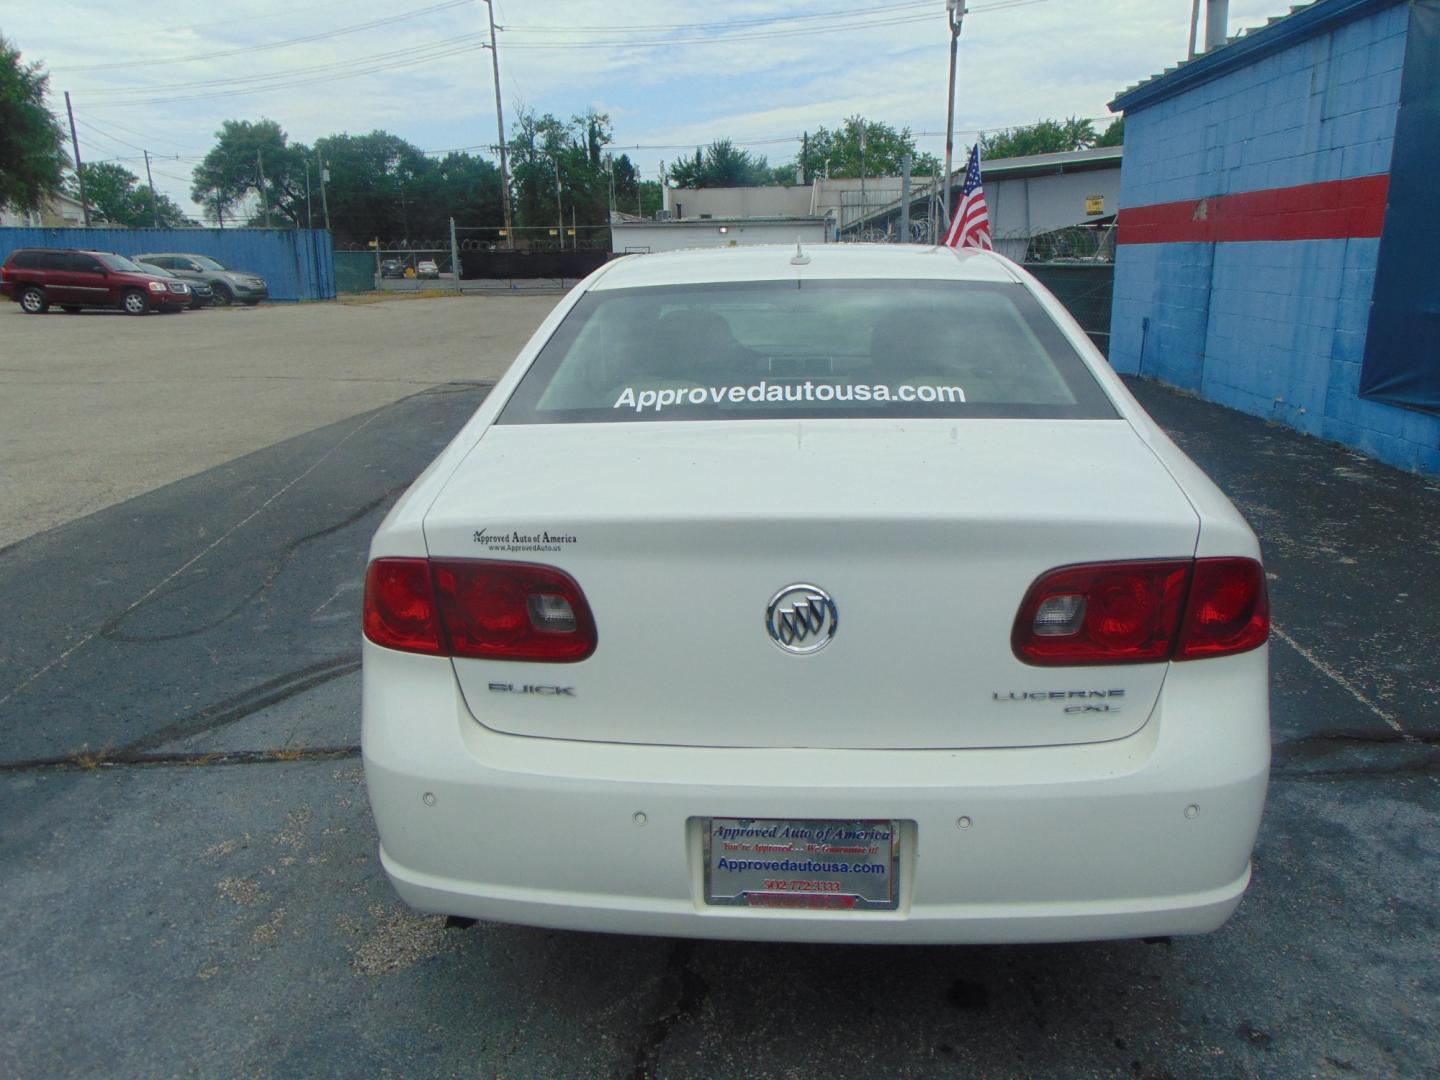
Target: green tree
{"x": 784, "y": 174}
{"x": 1114, "y": 135}
{"x": 560, "y": 172}
{"x": 231, "y": 173}
{"x": 1041, "y": 137}
{"x": 839, "y": 153}
{"x": 116, "y": 196}
{"x": 721, "y": 164}
{"x": 378, "y": 188}
{"x": 651, "y": 198}
{"x": 32, "y": 155}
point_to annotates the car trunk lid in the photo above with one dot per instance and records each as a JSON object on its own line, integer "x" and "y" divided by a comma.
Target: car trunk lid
{"x": 925, "y": 534}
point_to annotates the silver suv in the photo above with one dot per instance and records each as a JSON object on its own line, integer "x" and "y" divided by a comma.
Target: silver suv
{"x": 231, "y": 286}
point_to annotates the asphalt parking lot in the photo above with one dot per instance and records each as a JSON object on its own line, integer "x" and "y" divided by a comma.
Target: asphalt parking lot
{"x": 187, "y": 861}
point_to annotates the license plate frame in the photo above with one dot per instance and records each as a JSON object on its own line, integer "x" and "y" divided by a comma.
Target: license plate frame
{"x": 823, "y": 855}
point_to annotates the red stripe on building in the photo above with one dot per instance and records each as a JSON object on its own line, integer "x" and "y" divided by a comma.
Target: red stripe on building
{"x": 1331, "y": 210}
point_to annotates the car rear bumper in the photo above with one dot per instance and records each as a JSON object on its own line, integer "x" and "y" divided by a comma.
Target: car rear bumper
{"x": 1143, "y": 836}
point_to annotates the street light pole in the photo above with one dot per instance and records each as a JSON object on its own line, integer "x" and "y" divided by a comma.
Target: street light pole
{"x": 500, "y": 125}
{"x": 955, "y": 12}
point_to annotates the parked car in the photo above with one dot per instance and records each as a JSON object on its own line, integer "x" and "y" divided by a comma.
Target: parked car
{"x": 36, "y": 278}
{"x": 200, "y": 293}
{"x": 426, "y": 268}
{"x": 843, "y": 595}
{"x": 392, "y": 268}
{"x": 229, "y": 285}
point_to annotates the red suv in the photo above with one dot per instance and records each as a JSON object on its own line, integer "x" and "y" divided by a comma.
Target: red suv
{"x": 35, "y": 278}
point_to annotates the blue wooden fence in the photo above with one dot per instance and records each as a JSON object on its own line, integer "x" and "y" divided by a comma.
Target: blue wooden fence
{"x": 298, "y": 264}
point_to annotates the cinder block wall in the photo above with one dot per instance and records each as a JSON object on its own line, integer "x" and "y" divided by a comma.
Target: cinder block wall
{"x": 1275, "y": 327}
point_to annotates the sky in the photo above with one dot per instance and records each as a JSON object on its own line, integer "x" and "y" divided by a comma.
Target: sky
{"x": 670, "y": 76}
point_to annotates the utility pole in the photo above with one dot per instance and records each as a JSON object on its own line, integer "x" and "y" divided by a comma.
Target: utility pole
{"x": 79, "y": 169}
{"x": 905, "y": 199}
{"x": 955, "y": 12}
{"x": 264, "y": 201}
{"x": 804, "y": 155}
{"x": 324, "y": 176}
{"x": 559, "y": 211}
{"x": 862, "y": 174}
{"x": 454, "y": 255}
{"x": 500, "y": 125}
{"x": 1194, "y": 26}
{"x": 154, "y": 201}
{"x": 308, "y": 223}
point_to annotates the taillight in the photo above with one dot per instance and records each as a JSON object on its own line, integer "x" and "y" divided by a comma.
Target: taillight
{"x": 478, "y": 609}
{"x": 1228, "y": 610}
{"x": 400, "y": 606}
{"x": 1136, "y": 612}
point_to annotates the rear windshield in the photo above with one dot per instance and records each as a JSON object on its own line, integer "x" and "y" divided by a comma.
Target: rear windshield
{"x": 815, "y": 349}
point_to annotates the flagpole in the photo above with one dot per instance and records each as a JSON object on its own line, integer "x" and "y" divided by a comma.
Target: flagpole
{"x": 955, "y": 13}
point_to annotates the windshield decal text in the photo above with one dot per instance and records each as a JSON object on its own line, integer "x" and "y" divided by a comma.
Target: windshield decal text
{"x": 764, "y": 392}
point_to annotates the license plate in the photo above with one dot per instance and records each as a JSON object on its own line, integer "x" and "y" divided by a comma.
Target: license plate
{"x": 803, "y": 864}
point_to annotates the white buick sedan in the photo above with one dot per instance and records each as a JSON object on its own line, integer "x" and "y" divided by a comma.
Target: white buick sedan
{"x": 840, "y": 595}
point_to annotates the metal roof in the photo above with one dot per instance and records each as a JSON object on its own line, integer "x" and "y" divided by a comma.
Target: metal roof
{"x": 1096, "y": 157}
{"x": 1303, "y": 21}
{"x": 728, "y": 219}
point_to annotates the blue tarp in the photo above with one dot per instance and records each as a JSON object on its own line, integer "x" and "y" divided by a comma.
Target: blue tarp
{"x": 1402, "y": 348}
{"x": 298, "y": 264}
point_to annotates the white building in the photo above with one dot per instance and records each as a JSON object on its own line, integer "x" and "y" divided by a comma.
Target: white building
{"x": 631, "y": 235}
{"x": 59, "y": 212}
{"x": 1026, "y": 197}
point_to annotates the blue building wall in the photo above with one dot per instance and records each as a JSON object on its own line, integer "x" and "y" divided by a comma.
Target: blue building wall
{"x": 1272, "y": 328}
{"x": 297, "y": 264}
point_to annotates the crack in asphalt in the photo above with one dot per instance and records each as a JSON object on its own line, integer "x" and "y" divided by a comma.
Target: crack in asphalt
{"x": 190, "y": 759}
{"x": 209, "y": 718}
{"x": 110, "y": 629}
{"x": 1421, "y": 756}
{"x": 690, "y": 996}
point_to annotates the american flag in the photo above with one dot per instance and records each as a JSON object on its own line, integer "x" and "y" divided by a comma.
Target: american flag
{"x": 970, "y": 227}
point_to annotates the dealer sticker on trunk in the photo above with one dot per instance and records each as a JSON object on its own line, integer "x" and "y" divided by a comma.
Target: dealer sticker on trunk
{"x": 803, "y": 864}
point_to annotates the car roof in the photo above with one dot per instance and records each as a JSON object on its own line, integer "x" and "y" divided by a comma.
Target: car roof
{"x": 765, "y": 262}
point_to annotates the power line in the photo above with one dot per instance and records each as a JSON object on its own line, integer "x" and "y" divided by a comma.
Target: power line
{"x": 720, "y": 39}
{"x": 726, "y": 24}
{"x": 142, "y": 134}
{"x": 287, "y": 85}
{"x": 380, "y": 62}
{"x": 891, "y": 19}
{"x": 106, "y": 135}
{"x": 289, "y": 13}
{"x": 323, "y": 35}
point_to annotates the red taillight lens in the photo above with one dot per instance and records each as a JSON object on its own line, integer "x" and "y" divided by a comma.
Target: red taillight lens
{"x": 478, "y": 609}
{"x": 1105, "y": 613}
{"x": 1228, "y": 611}
{"x": 513, "y": 611}
{"x": 400, "y": 606}
{"x": 1134, "y": 612}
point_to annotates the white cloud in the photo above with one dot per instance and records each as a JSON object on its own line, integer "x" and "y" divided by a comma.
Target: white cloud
{"x": 1018, "y": 63}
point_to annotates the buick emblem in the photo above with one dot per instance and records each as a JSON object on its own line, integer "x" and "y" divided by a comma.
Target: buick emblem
{"x": 801, "y": 618}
